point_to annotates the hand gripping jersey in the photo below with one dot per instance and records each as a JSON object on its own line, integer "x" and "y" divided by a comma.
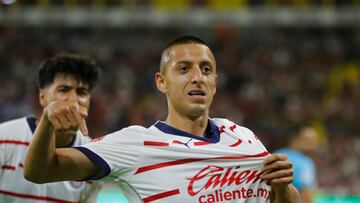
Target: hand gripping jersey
{"x": 164, "y": 164}
{"x": 303, "y": 167}
{"x": 15, "y": 137}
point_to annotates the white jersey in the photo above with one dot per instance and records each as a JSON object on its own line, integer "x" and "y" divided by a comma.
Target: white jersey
{"x": 164, "y": 164}
{"x": 15, "y": 137}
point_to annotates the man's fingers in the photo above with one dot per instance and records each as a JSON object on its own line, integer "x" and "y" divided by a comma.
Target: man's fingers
{"x": 285, "y": 180}
{"x": 80, "y": 114}
{"x": 83, "y": 128}
{"x": 275, "y": 157}
{"x": 67, "y": 115}
{"x": 278, "y": 165}
{"x": 278, "y": 174}
{"x": 65, "y": 124}
{"x": 71, "y": 118}
{"x": 55, "y": 122}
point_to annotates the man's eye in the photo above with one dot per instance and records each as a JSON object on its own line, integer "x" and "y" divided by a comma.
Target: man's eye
{"x": 183, "y": 69}
{"x": 83, "y": 93}
{"x": 62, "y": 90}
{"x": 206, "y": 69}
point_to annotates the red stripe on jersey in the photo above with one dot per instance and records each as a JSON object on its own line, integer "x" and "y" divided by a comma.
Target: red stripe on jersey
{"x": 161, "y": 195}
{"x": 7, "y": 167}
{"x": 190, "y": 160}
{"x": 153, "y": 143}
{"x": 236, "y": 143}
{"x": 16, "y": 142}
{"x": 201, "y": 143}
{"x": 40, "y": 198}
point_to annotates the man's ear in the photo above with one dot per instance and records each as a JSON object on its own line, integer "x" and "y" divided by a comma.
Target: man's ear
{"x": 42, "y": 97}
{"x": 160, "y": 82}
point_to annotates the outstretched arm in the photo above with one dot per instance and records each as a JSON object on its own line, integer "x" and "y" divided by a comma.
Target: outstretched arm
{"x": 44, "y": 163}
{"x": 278, "y": 170}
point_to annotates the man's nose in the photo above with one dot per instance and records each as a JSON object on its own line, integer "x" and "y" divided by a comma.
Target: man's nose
{"x": 72, "y": 95}
{"x": 197, "y": 75}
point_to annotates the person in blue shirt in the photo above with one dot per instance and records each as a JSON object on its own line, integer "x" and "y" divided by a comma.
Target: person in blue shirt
{"x": 301, "y": 144}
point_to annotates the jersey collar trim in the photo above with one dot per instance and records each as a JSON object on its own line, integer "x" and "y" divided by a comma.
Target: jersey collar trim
{"x": 97, "y": 160}
{"x": 31, "y": 120}
{"x": 212, "y": 133}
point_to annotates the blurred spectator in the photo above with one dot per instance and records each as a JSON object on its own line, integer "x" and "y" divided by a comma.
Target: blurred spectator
{"x": 301, "y": 145}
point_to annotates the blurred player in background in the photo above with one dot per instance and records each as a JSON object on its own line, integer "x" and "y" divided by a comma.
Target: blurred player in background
{"x": 65, "y": 77}
{"x": 301, "y": 144}
{"x": 189, "y": 157}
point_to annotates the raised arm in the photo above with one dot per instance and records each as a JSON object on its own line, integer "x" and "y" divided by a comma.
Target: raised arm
{"x": 278, "y": 170}
{"x": 46, "y": 163}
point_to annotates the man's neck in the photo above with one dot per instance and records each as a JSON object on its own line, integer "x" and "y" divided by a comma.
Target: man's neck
{"x": 195, "y": 126}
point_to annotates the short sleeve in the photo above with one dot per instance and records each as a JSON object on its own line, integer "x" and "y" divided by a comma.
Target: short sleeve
{"x": 117, "y": 152}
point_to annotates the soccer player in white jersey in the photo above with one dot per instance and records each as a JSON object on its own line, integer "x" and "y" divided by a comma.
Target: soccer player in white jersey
{"x": 189, "y": 157}
{"x": 65, "y": 77}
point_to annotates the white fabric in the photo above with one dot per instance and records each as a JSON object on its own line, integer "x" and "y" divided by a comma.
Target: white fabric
{"x": 154, "y": 166}
{"x": 15, "y": 136}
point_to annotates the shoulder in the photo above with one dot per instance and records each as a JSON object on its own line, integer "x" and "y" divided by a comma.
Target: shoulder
{"x": 14, "y": 127}
{"x": 131, "y": 130}
{"x": 225, "y": 124}
{"x": 12, "y": 123}
{"x": 124, "y": 135}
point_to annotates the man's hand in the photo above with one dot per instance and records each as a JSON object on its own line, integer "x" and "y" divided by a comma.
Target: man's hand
{"x": 277, "y": 169}
{"x": 66, "y": 115}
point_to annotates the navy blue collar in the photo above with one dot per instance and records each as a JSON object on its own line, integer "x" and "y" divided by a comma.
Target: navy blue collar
{"x": 31, "y": 120}
{"x": 212, "y": 133}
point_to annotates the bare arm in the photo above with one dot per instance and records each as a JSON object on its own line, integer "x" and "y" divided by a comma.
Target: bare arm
{"x": 44, "y": 163}
{"x": 307, "y": 195}
{"x": 278, "y": 170}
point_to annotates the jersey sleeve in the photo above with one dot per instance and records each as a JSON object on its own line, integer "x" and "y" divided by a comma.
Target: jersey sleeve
{"x": 117, "y": 152}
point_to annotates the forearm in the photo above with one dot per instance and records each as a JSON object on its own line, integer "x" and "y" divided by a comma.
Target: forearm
{"x": 287, "y": 194}
{"x": 40, "y": 158}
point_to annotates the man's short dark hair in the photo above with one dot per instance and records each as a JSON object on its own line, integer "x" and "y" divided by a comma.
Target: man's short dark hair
{"x": 188, "y": 39}
{"x": 83, "y": 68}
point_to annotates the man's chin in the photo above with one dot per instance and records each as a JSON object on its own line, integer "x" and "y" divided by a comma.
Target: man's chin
{"x": 198, "y": 110}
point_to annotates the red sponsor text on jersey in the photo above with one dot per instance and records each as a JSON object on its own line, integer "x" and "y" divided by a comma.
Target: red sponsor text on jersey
{"x": 217, "y": 179}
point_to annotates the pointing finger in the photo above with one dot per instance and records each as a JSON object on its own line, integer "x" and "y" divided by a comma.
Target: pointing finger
{"x": 80, "y": 114}
{"x": 83, "y": 128}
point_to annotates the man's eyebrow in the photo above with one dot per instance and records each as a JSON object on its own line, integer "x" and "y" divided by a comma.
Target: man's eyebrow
{"x": 206, "y": 62}
{"x": 63, "y": 86}
{"x": 184, "y": 62}
{"x": 83, "y": 88}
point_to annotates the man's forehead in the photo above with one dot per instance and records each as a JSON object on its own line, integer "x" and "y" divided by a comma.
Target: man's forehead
{"x": 190, "y": 51}
{"x": 69, "y": 79}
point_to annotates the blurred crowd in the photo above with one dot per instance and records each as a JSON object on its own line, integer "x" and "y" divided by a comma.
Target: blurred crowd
{"x": 270, "y": 79}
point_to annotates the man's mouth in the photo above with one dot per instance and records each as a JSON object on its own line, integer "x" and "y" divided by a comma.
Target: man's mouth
{"x": 196, "y": 93}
